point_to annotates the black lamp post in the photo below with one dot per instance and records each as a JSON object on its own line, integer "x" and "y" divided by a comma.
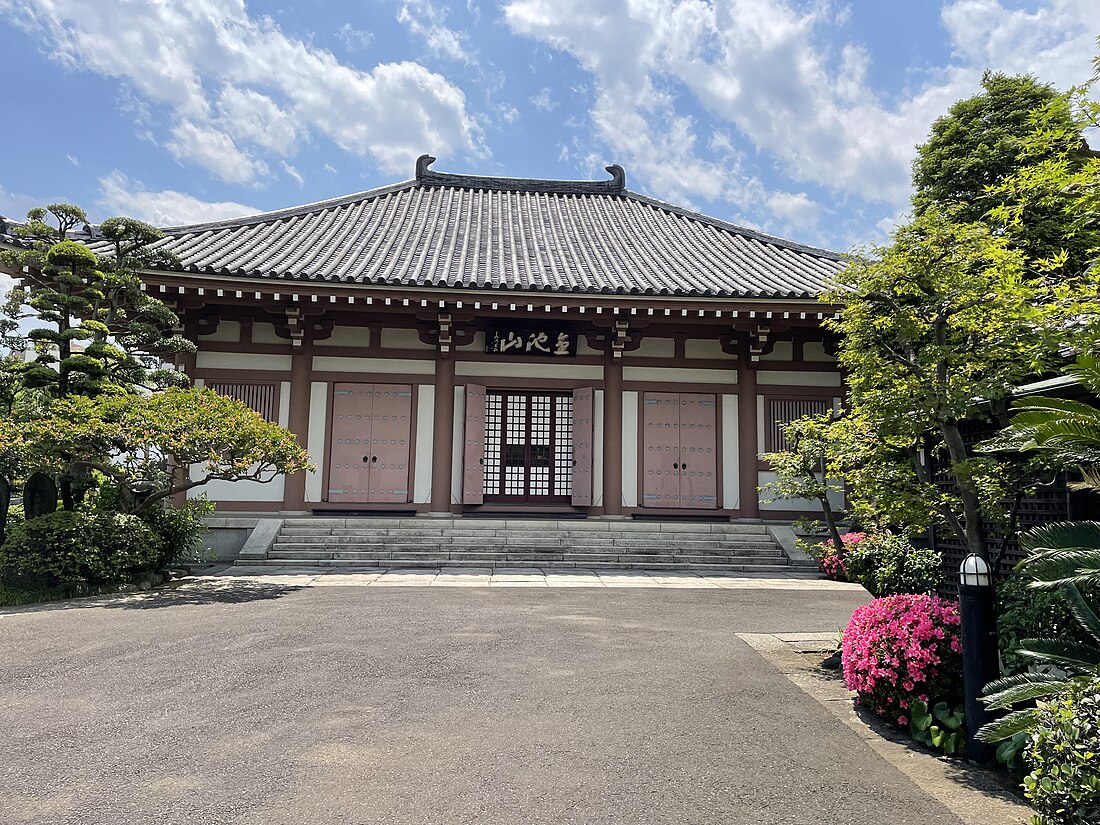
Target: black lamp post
{"x": 981, "y": 665}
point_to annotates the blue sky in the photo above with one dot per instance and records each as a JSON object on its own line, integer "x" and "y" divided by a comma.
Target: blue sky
{"x": 798, "y": 118}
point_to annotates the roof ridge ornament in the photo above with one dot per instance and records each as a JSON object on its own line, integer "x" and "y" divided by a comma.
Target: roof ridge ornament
{"x": 428, "y": 177}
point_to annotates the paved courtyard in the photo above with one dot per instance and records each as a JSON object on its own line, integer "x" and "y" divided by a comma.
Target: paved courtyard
{"x": 297, "y": 698}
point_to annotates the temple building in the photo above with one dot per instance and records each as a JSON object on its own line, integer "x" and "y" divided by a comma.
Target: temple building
{"x": 457, "y": 344}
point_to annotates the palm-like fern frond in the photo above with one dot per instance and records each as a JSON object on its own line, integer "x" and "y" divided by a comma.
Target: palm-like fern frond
{"x": 1022, "y": 688}
{"x": 1087, "y": 369}
{"x": 1070, "y": 656}
{"x": 1052, "y": 569}
{"x": 1008, "y": 725}
{"x": 1083, "y": 610}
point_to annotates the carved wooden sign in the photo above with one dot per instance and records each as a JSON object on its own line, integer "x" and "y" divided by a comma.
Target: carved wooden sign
{"x": 545, "y": 341}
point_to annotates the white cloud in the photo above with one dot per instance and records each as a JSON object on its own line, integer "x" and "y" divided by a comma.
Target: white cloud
{"x": 328, "y": 167}
{"x": 544, "y": 101}
{"x": 796, "y": 210}
{"x": 766, "y": 69}
{"x": 508, "y": 113}
{"x": 216, "y": 151}
{"x": 121, "y": 196}
{"x": 293, "y": 173}
{"x": 427, "y": 21}
{"x": 73, "y": 159}
{"x": 256, "y": 118}
{"x": 210, "y": 61}
{"x": 354, "y": 40}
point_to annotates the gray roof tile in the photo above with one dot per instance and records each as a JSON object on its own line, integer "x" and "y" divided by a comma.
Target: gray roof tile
{"x": 462, "y": 231}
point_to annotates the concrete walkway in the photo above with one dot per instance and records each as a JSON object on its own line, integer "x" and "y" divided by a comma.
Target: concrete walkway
{"x": 522, "y": 577}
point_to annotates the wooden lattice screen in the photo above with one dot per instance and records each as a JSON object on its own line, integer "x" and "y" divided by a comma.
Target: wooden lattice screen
{"x": 1048, "y": 501}
{"x": 263, "y": 398}
{"x": 781, "y": 411}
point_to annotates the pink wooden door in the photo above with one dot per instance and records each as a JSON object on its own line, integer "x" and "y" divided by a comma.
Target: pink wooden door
{"x": 583, "y": 429}
{"x": 698, "y": 451}
{"x": 349, "y": 459}
{"x": 473, "y": 447}
{"x": 661, "y": 449}
{"x": 391, "y": 428}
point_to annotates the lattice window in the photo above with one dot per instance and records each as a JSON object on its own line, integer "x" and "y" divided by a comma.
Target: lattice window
{"x": 261, "y": 397}
{"x": 515, "y": 446}
{"x": 494, "y": 402}
{"x": 782, "y": 411}
{"x": 563, "y": 445}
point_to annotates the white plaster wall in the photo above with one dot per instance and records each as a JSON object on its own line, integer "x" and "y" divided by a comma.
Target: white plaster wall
{"x": 346, "y": 337}
{"x": 395, "y": 366}
{"x": 422, "y": 461}
{"x": 630, "y": 449}
{"x": 477, "y": 343}
{"x": 459, "y": 443}
{"x": 597, "y": 449}
{"x": 403, "y": 339}
{"x": 265, "y": 334}
{"x": 815, "y": 351}
{"x": 731, "y": 481}
{"x": 249, "y": 361}
{"x": 524, "y": 369}
{"x": 584, "y": 349}
{"x": 680, "y": 375}
{"x": 704, "y": 348}
{"x": 248, "y": 490}
{"x": 761, "y": 425}
{"x": 227, "y": 331}
{"x": 794, "y": 378}
{"x": 654, "y": 348}
{"x": 315, "y": 438}
{"x": 782, "y": 351}
{"x": 836, "y": 499}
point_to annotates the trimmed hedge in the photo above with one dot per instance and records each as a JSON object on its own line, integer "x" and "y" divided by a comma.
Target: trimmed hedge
{"x": 78, "y": 547}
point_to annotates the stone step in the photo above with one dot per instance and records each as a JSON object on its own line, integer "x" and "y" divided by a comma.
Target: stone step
{"x": 389, "y": 549}
{"x": 558, "y": 535}
{"x": 406, "y": 563}
{"x": 329, "y": 525}
{"x": 531, "y": 558}
{"x": 527, "y": 539}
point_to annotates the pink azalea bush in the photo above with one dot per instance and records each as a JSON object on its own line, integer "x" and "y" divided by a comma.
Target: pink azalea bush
{"x": 831, "y": 558}
{"x": 902, "y": 649}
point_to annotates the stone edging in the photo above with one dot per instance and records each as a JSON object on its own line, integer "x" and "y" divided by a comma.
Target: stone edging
{"x": 975, "y": 795}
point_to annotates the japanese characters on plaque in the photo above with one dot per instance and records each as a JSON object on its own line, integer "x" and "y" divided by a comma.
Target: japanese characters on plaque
{"x": 536, "y": 342}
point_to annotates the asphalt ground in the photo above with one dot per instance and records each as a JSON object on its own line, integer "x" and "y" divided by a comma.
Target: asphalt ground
{"x": 266, "y": 703}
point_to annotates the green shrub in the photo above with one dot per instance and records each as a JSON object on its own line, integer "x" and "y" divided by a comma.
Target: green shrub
{"x": 78, "y": 547}
{"x": 887, "y": 564}
{"x": 1064, "y": 785}
{"x": 1028, "y": 613}
{"x": 180, "y": 530}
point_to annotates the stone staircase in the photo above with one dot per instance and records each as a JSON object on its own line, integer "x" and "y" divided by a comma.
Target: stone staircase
{"x": 493, "y": 543}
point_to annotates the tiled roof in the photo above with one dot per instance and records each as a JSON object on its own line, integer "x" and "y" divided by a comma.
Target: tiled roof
{"x": 461, "y": 231}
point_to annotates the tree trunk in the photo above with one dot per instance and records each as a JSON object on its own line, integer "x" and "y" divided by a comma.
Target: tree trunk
{"x": 973, "y": 532}
{"x": 5, "y": 501}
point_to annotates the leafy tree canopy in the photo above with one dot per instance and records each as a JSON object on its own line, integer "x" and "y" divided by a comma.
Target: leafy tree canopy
{"x": 140, "y": 441}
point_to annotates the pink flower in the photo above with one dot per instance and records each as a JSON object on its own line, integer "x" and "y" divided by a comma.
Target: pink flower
{"x": 903, "y": 720}
{"x": 899, "y": 645}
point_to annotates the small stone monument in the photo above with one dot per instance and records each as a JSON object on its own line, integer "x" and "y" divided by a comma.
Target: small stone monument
{"x": 39, "y": 496}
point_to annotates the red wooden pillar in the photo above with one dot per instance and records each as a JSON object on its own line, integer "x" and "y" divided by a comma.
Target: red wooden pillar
{"x": 748, "y": 475}
{"x": 301, "y": 371}
{"x": 443, "y": 433}
{"x": 613, "y": 435}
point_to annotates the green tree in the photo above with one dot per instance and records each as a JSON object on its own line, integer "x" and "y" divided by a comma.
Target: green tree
{"x": 979, "y": 143}
{"x": 98, "y": 331}
{"x": 942, "y": 317}
{"x": 141, "y": 442}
